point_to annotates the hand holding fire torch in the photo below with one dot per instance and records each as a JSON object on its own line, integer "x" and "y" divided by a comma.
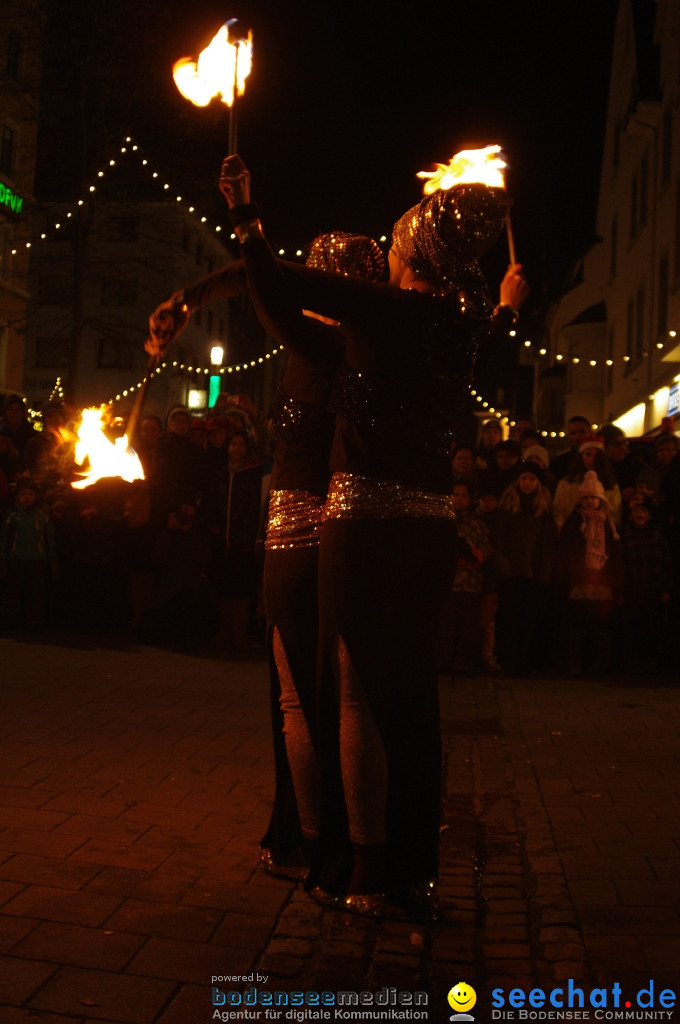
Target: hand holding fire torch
{"x": 165, "y": 324}
{"x": 235, "y": 181}
{"x": 514, "y": 288}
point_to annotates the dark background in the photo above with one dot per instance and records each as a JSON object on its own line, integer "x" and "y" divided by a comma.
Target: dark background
{"x": 346, "y": 102}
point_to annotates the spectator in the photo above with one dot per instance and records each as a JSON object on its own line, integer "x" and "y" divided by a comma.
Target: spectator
{"x": 27, "y": 558}
{"x": 648, "y": 582}
{"x": 10, "y": 464}
{"x": 625, "y": 467}
{"x": 489, "y": 493}
{"x": 590, "y": 456}
{"x": 525, "y": 552}
{"x": 464, "y": 464}
{"x": 461, "y": 635}
{"x": 179, "y": 471}
{"x": 589, "y": 568}
{"x": 241, "y": 510}
{"x": 14, "y": 413}
{"x": 492, "y": 435}
{"x": 521, "y": 424}
{"x": 578, "y": 428}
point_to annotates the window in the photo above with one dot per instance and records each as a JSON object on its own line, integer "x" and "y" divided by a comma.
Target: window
{"x": 639, "y": 324}
{"x": 51, "y": 353}
{"x": 630, "y": 332}
{"x": 124, "y": 228}
{"x": 676, "y": 252}
{"x": 114, "y": 354}
{"x": 633, "y": 208}
{"x": 7, "y": 146}
{"x": 6, "y": 237}
{"x": 613, "y": 254}
{"x": 662, "y": 309}
{"x": 644, "y": 183}
{"x": 609, "y": 372}
{"x": 209, "y": 322}
{"x": 666, "y": 147}
{"x": 15, "y": 47}
{"x": 119, "y": 291}
{"x": 54, "y": 290}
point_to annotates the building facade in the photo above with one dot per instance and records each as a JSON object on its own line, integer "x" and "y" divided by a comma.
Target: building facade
{"x": 98, "y": 269}
{"x": 614, "y": 337}
{"x": 21, "y": 32}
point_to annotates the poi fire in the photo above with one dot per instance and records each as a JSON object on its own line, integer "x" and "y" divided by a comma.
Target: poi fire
{"x": 483, "y": 166}
{"x": 472, "y": 166}
{"x": 221, "y": 69}
{"x": 106, "y": 458}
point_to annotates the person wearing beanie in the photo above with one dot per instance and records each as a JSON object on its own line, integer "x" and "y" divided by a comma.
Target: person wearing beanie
{"x": 525, "y": 552}
{"x": 589, "y": 568}
{"x": 589, "y": 457}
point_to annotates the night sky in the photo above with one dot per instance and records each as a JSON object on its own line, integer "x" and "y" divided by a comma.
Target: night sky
{"x": 345, "y": 104}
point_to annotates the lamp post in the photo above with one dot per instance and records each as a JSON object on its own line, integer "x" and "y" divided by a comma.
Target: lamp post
{"x": 216, "y": 360}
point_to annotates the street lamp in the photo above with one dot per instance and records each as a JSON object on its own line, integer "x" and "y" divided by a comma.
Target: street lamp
{"x": 216, "y": 360}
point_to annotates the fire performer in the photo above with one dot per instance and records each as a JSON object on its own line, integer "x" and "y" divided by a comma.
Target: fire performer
{"x": 388, "y": 539}
{"x": 302, "y": 431}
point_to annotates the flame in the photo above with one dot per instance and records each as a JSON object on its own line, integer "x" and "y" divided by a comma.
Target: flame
{"x": 218, "y": 65}
{"x": 470, "y": 165}
{"x": 106, "y": 458}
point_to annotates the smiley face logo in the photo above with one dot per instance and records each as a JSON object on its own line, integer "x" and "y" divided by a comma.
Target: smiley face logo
{"x": 462, "y": 997}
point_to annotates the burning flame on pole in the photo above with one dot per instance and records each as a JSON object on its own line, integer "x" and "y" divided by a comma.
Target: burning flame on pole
{"x": 483, "y": 166}
{"x": 106, "y": 458}
{"x": 221, "y": 70}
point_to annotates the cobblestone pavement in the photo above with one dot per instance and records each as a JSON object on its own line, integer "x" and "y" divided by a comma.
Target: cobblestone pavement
{"x": 135, "y": 784}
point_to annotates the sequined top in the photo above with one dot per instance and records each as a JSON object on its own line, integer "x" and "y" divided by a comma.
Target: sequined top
{"x": 302, "y": 424}
{"x": 409, "y": 360}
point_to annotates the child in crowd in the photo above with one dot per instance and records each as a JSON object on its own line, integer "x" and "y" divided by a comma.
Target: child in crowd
{"x": 461, "y": 633}
{"x": 526, "y": 547}
{"x": 648, "y": 581}
{"x": 590, "y": 569}
{"x": 27, "y": 558}
{"x": 488, "y": 499}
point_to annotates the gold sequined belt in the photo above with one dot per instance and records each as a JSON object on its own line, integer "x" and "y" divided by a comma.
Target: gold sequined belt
{"x": 358, "y": 497}
{"x": 294, "y": 520}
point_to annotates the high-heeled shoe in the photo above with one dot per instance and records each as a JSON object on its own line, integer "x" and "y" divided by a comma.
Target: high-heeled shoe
{"x": 366, "y": 904}
{"x": 289, "y": 872}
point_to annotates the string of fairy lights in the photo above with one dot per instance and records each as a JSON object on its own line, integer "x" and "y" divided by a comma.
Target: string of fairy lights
{"x": 129, "y": 147}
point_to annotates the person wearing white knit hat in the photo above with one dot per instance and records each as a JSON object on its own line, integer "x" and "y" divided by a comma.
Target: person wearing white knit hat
{"x": 589, "y": 565}
{"x": 589, "y": 458}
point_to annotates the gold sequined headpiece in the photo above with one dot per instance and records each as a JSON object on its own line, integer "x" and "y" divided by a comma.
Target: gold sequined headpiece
{"x": 446, "y": 233}
{"x": 351, "y": 255}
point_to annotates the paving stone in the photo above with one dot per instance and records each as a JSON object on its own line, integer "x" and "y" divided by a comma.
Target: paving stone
{"x": 119, "y": 998}
{"x": 79, "y": 947}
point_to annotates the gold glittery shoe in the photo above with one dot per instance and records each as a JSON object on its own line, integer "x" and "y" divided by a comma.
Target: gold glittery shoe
{"x": 290, "y": 872}
{"x": 326, "y": 899}
{"x": 366, "y": 904}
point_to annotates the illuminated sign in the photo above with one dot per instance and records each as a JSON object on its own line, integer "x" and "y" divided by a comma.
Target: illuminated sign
{"x": 673, "y": 403}
{"x": 10, "y": 199}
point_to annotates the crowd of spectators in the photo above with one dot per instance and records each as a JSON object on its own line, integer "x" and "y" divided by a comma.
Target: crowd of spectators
{"x": 567, "y": 562}
{"x": 173, "y": 557}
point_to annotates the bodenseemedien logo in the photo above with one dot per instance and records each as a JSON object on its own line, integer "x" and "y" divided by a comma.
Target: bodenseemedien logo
{"x": 462, "y": 997}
